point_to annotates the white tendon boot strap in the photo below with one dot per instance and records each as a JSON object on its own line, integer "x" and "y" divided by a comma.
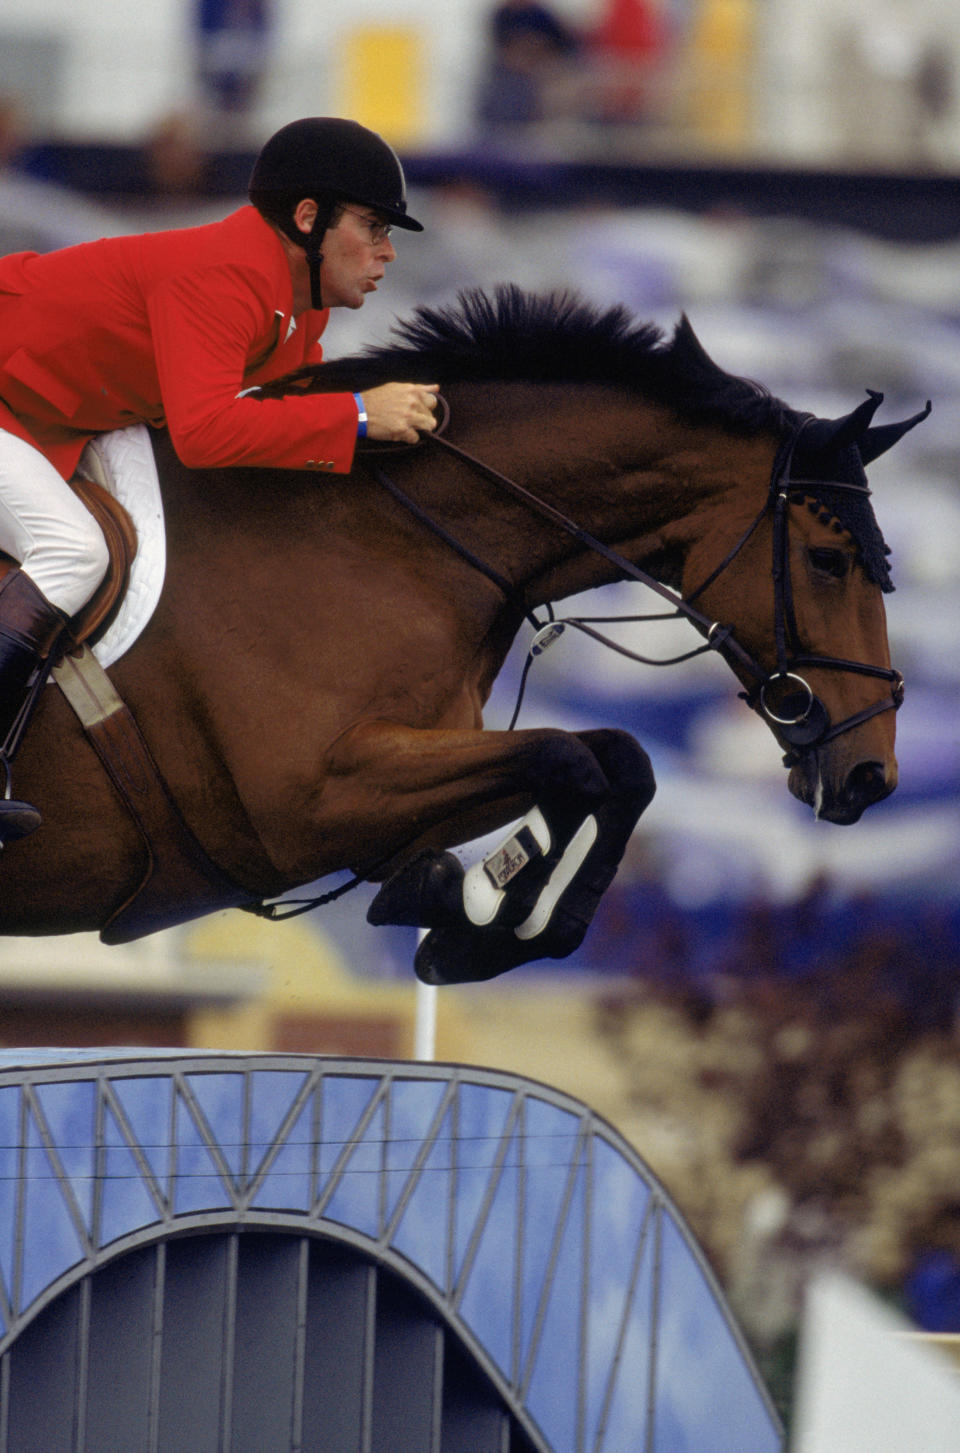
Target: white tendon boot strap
{"x": 560, "y": 879}
{"x": 484, "y": 885}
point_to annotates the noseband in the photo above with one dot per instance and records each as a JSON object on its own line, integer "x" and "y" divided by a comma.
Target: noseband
{"x": 783, "y": 696}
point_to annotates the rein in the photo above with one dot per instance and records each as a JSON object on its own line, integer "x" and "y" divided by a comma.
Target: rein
{"x": 718, "y": 636}
{"x": 796, "y": 712}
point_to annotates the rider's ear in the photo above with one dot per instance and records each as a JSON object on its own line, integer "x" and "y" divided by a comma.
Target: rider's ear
{"x": 304, "y": 215}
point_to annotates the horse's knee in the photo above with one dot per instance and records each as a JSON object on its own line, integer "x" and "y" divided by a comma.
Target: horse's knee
{"x": 562, "y": 762}
{"x": 566, "y": 780}
{"x": 624, "y": 763}
{"x": 589, "y": 789}
{"x": 585, "y": 772}
{"x": 623, "y": 760}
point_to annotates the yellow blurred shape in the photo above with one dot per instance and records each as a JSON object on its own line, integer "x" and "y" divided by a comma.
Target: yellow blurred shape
{"x": 721, "y": 61}
{"x": 382, "y": 80}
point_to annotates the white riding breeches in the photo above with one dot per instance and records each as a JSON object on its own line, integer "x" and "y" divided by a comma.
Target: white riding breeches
{"x": 46, "y": 529}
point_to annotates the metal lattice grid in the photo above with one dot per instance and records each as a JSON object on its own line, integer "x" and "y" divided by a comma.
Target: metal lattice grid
{"x": 543, "y": 1246}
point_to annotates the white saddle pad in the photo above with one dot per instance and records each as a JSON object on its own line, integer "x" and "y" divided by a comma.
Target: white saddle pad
{"x": 123, "y": 463}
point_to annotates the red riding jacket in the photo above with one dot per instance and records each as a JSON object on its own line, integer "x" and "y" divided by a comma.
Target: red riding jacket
{"x": 167, "y": 328}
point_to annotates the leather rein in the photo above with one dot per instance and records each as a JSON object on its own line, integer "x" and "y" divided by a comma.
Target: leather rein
{"x": 783, "y": 696}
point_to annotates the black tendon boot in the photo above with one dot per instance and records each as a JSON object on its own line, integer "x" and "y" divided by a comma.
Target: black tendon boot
{"x": 29, "y": 629}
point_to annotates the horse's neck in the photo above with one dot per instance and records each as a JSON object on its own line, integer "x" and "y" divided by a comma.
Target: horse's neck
{"x": 629, "y": 473}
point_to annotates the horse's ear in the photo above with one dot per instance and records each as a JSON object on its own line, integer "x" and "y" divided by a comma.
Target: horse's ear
{"x": 685, "y": 339}
{"x": 878, "y": 440}
{"x": 822, "y": 436}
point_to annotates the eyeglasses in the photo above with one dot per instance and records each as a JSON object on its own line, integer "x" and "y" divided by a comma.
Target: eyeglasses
{"x": 379, "y": 231}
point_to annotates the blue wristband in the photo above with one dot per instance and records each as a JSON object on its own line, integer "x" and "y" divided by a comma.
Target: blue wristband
{"x": 361, "y": 417}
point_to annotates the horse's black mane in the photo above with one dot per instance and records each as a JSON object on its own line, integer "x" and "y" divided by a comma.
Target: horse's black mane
{"x": 553, "y": 338}
{"x": 561, "y": 338}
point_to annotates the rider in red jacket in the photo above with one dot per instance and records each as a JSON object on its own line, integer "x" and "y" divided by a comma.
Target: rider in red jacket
{"x": 177, "y": 328}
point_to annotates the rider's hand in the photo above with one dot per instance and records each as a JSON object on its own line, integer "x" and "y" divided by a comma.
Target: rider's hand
{"x": 397, "y": 411}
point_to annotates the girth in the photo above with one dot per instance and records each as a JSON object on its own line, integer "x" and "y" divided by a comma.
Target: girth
{"x": 179, "y": 881}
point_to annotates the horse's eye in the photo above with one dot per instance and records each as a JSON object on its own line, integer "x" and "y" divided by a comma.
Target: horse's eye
{"x": 830, "y": 562}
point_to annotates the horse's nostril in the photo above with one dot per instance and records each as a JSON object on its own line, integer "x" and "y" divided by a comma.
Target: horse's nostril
{"x": 867, "y": 783}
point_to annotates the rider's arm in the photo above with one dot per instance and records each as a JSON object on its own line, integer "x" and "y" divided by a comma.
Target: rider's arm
{"x": 208, "y": 326}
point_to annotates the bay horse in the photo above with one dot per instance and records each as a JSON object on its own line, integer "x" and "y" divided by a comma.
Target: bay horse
{"x": 312, "y": 682}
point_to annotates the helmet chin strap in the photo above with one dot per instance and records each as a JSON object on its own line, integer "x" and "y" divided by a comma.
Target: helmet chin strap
{"x": 314, "y": 260}
{"x": 312, "y": 244}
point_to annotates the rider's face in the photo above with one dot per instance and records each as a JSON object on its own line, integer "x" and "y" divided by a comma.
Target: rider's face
{"x": 356, "y": 252}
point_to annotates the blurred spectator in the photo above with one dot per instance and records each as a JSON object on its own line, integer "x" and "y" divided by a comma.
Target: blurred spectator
{"x": 37, "y": 216}
{"x": 514, "y": 19}
{"x": 631, "y": 44}
{"x": 532, "y": 69}
{"x": 935, "y": 86}
{"x": 180, "y": 181}
{"x": 11, "y": 131}
{"x": 935, "y": 83}
{"x": 233, "y": 42}
{"x": 176, "y": 160}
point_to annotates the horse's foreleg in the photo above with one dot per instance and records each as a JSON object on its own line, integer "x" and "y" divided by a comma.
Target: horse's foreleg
{"x": 536, "y": 895}
{"x": 389, "y": 790}
{"x": 563, "y": 889}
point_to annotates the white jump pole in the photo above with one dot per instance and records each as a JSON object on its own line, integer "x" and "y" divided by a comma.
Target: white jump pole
{"x": 425, "y": 1018}
{"x": 425, "y": 1024}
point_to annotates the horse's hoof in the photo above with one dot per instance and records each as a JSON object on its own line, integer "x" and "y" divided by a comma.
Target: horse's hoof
{"x": 469, "y": 955}
{"x": 425, "y": 893}
{"x": 473, "y": 955}
{"x": 17, "y": 820}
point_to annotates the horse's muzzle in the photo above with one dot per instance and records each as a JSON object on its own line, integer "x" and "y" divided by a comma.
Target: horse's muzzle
{"x": 865, "y": 783}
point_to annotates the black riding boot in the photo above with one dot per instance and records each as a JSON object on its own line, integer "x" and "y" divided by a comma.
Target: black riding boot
{"x": 29, "y": 629}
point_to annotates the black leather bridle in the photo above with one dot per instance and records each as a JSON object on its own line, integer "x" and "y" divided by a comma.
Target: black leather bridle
{"x": 783, "y": 696}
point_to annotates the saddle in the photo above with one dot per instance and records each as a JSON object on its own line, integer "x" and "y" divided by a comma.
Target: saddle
{"x": 121, "y": 537}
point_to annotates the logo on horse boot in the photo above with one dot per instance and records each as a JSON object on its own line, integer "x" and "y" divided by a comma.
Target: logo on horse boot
{"x": 487, "y": 884}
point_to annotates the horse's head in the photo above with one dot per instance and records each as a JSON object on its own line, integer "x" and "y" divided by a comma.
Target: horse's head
{"x": 803, "y": 590}
{"x": 792, "y": 595}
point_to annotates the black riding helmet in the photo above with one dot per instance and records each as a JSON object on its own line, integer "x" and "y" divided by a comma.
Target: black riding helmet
{"x": 329, "y": 160}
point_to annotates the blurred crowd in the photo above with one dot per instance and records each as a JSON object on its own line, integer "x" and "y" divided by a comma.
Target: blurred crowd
{"x": 805, "y": 1117}
{"x": 541, "y": 69}
{"x": 634, "y": 70}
